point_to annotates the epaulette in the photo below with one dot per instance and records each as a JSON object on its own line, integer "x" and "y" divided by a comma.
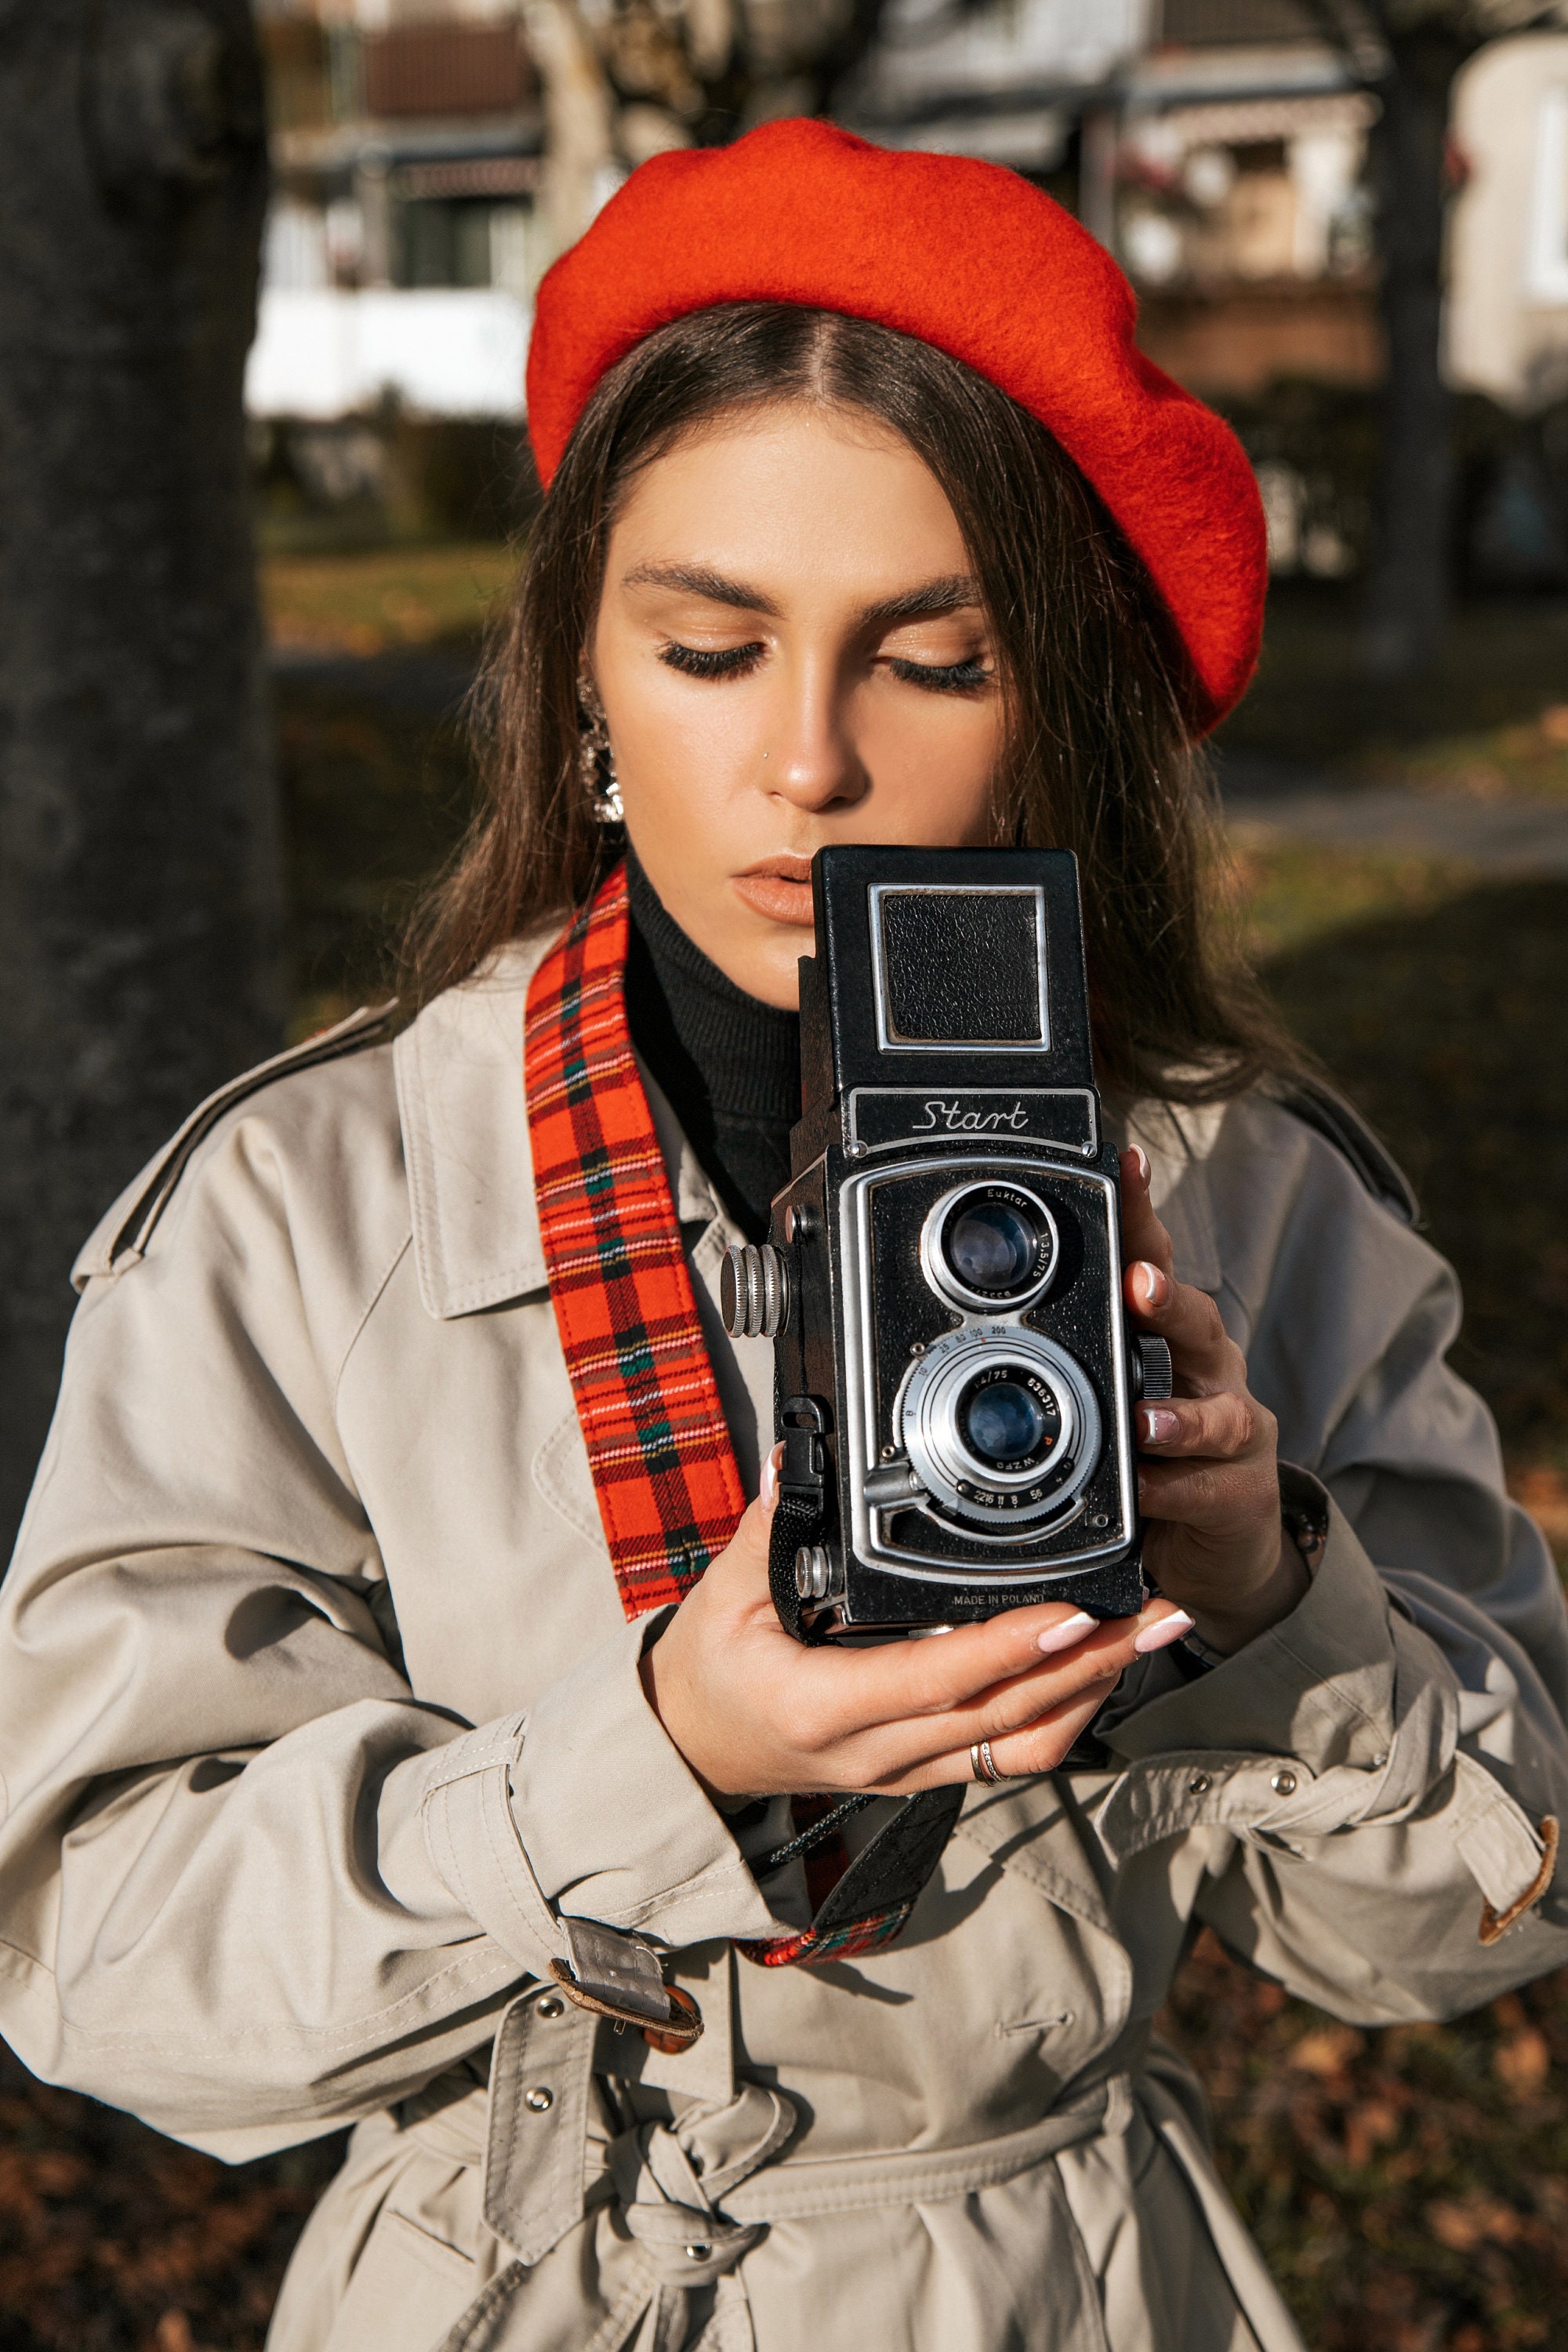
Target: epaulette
{"x": 1327, "y": 1112}
{"x": 121, "y": 1237}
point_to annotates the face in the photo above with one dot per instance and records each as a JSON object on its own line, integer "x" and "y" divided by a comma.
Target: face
{"x": 790, "y": 652}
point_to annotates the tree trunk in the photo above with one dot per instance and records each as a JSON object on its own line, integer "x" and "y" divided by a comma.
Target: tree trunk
{"x": 579, "y": 136}
{"x": 1413, "y": 561}
{"x": 139, "y": 898}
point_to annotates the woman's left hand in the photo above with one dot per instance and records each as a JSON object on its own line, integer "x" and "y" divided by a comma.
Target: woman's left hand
{"x": 1207, "y": 1474}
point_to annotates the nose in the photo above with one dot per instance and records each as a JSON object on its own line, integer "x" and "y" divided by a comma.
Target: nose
{"x": 812, "y": 760}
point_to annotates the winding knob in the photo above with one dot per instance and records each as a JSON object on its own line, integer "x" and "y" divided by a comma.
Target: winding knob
{"x": 753, "y": 1291}
{"x": 1152, "y": 1375}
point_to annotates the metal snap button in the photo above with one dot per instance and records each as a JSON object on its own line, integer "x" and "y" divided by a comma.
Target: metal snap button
{"x": 1199, "y": 1785}
{"x": 696, "y": 2253}
{"x": 551, "y": 2006}
{"x": 539, "y": 2099}
{"x": 1283, "y": 1784}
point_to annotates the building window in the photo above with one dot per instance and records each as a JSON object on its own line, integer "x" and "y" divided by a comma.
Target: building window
{"x": 445, "y": 241}
{"x": 295, "y": 258}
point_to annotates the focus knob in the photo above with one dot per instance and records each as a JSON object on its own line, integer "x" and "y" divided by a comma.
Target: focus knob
{"x": 1153, "y": 1377}
{"x": 753, "y": 1291}
{"x": 817, "y": 1575}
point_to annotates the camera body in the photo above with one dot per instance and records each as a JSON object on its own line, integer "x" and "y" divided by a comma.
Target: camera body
{"x": 954, "y": 1371}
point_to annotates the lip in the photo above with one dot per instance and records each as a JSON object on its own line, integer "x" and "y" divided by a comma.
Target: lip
{"x": 779, "y": 888}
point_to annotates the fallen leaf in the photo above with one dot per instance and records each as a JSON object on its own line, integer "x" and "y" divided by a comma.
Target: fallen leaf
{"x": 1523, "y": 2060}
{"x": 1543, "y": 1491}
{"x": 1368, "y": 2127}
{"x": 1462, "y": 2225}
{"x": 1326, "y": 2049}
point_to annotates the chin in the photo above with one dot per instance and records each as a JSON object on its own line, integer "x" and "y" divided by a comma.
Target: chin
{"x": 775, "y": 978}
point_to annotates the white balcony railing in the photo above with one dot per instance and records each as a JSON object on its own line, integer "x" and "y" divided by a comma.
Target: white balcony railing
{"x": 442, "y": 352}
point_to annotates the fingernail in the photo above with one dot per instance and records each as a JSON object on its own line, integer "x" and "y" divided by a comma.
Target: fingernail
{"x": 1149, "y": 1282}
{"x": 1063, "y": 1636}
{"x": 1142, "y": 1157}
{"x": 770, "y": 1483}
{"x": 1157, "y": 1426}
{"x": 1160, "y": 1637}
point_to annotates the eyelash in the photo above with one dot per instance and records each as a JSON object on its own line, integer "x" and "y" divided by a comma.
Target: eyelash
{"x": 734, "y": 661}
{"x": 953, "y": 677}
{"x": 696, "y": 663}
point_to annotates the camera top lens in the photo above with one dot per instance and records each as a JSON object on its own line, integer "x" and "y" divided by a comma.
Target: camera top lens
{"x": 1010, "y": 1421}
{"x": 992, "y": 1246}
{"x": 995, "y": 1245}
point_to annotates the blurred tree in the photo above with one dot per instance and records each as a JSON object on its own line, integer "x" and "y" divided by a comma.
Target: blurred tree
{"x": 140, "y": 903}
{"x": 1409, "y": 51}
{"x": 625, "y": 80}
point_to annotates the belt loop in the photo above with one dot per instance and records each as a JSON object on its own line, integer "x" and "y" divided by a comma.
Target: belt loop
{"x": 1119, "y": 2106}
{"x": 706, "y": 2071}
{"x": 540, "y": 2083}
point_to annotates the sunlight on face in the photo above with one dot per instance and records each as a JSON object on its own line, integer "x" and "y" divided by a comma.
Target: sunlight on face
{"x": 790, "y": 653}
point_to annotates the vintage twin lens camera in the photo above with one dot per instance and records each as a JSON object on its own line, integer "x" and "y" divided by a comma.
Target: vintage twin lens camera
{"x": 956, "y": 1373}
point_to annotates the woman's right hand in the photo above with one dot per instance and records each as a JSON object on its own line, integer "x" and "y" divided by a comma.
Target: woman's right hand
{"x": 756, "y": 1714}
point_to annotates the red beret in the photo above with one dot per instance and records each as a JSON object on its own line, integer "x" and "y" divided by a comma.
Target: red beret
{"x": 965, "y": 255}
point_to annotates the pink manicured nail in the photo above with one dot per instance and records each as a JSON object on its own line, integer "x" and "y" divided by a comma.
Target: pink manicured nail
{"x": 1158, "y": 1425}
{"x": 1160, "y": 1637}
{"x": 1066, "y": 1635}
{"x": 769, "y": 1482}
{"x": 1150, "y": 1283}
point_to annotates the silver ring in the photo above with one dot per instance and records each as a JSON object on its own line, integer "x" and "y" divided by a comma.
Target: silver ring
{"x": 983, "y": 1764}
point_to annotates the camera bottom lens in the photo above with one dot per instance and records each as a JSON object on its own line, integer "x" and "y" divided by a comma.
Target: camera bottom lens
{"x": 1009, "y": 1421}
{"x": 1001, "y": 1425}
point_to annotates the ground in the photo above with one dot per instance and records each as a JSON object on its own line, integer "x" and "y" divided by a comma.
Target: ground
{"x": 1410, "y": 2186}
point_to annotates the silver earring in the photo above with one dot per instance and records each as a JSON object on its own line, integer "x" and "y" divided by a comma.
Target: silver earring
{"x": 597, "y": 766}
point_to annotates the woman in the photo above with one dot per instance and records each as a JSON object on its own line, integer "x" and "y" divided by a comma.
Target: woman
{"x": 376, "y": 1747}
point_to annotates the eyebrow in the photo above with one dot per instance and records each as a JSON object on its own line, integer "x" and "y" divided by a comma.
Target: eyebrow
{"x": 953, "y": 592}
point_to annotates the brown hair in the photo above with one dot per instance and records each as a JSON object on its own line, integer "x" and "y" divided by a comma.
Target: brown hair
{"x": 1098, "y": 759}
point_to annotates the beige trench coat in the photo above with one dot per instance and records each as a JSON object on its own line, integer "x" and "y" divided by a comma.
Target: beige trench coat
{"x": 319, "y": 1723}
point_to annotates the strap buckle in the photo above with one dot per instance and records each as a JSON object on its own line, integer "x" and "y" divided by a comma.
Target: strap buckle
{"x": 619, "y": 1977}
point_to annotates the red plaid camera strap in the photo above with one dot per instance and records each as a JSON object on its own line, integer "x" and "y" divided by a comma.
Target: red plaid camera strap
{"x": 663, "y": 1469}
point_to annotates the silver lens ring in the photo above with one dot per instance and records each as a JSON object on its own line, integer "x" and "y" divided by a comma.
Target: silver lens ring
{"x": 929, "y": 1413}
{"x": 948, "y": 1280}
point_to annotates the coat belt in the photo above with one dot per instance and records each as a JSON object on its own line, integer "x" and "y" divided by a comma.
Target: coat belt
{"x": 687, "y": 2224}
{"x": 838, "y": 2184}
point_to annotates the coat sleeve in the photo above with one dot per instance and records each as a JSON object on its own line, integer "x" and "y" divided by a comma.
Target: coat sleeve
{"x": 250, "y": 1884}
{"x": 1381, "y": 1776}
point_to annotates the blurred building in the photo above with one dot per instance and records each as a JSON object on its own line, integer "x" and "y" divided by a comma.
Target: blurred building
{"x": 1508, "y": 308}
{"x": 1220, "y": 148}
{"x": 1217, "y": 147}
{"x": 401, "y": 252}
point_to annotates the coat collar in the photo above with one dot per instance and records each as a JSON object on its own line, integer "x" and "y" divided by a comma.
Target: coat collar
{"x": 464, "y": 1115}
{"x": 470, "y": 1168}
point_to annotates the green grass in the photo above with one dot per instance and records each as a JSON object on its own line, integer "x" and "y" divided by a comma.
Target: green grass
{"x": 374, "y": 801}
{"x": 1491, "y": 716}
{"x": 377, "y": 600}
{"x": 1293, "y": 892}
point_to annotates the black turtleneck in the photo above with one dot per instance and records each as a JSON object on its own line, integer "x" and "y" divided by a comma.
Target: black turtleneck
{"x": 729, "y": 1063}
